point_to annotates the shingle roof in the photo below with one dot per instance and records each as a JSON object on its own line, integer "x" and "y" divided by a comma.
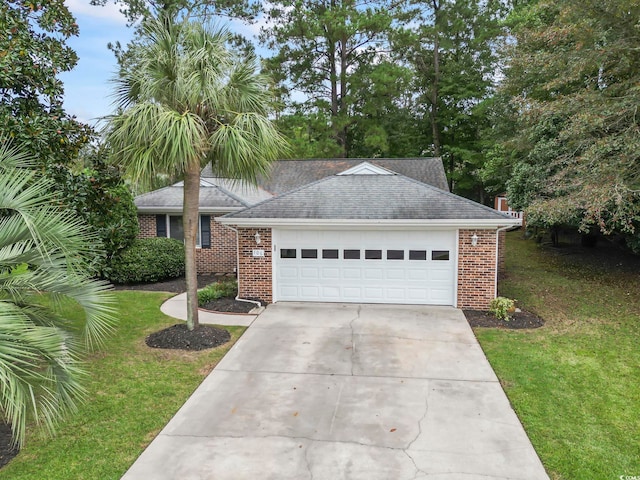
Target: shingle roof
{"x": 287, "y": 175}
{"x": 384, "y": 197}
{"x": 171, "y": 198}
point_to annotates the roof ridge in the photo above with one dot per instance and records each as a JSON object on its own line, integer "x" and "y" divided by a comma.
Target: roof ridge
{"x": 285, "y": 194}
{"x": 451, "y": 194}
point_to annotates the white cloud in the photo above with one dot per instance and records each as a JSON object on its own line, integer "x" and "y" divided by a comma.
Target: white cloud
{"x": 110, "y": 12}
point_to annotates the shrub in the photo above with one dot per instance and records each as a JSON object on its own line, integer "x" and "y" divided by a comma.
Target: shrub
{"x": 148, "y": 260}
{"x": 501, "y": 307}
{"x": 217, "y": 290}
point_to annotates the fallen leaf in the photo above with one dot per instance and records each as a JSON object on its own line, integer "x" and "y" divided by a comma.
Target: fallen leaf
{"x": 295, "y": 414}
{"x": 392, "y": 430}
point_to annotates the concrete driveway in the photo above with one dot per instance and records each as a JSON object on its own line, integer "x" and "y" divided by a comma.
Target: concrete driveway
{"x": 342, "y": 391}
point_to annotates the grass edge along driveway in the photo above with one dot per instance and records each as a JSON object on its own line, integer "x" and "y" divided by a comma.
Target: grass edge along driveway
{"x": 133, "y": 392}
{"x": 574, "y": 383}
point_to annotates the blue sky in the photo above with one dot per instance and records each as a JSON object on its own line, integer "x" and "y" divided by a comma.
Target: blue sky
{"x": 87, "y": 87}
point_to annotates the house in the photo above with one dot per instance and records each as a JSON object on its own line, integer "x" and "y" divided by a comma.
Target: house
{"x": 500, "y": 204}
{"x": 343, "y": 230}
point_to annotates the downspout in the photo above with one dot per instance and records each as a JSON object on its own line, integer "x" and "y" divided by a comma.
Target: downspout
{"x": 500, "y": 229}
{"x": 238, "y": 269}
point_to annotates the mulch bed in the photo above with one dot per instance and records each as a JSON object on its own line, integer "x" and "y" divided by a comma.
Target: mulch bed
{"x": 229, "y": 305}
{"x": 179, "y": 337}
{"x": 175, "y": 285}
{"x": 7, "y": 451}
{"x": 519, "y": 320}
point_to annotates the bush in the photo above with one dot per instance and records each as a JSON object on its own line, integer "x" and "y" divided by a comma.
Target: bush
{"x": 148, "y": 260}
{"x": 217, "y": 290}
{"x": 501, "y": 307}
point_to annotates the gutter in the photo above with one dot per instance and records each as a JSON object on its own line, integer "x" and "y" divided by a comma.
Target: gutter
{"x": 258, "y": 304}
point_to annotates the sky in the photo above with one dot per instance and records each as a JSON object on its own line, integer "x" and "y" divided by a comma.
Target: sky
{"x": 87, "y": 87}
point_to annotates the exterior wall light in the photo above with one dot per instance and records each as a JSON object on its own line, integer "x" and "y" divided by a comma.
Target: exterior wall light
{"x": 474, "y": 240}
{"x": 257, "y": 237}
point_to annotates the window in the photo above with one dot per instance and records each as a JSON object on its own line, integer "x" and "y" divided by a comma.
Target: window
{"x": 287, "y": 253}
{"x": 440, "y": 255}
{"x": 417, "y": 254}
{"x": 395, "y": 254}
{"x": 308, "y": 253}
{"x": 330, "y": 253}
{"x": 171, "y": 226}
{"x": 373, "y": 254}
{"x": 351, "y": 254}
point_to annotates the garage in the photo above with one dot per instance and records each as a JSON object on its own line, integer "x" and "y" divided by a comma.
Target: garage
{"x": 368, "y": 266}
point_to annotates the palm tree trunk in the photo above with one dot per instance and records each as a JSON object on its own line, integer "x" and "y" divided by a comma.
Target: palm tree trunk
{"x": 190, "y": 219}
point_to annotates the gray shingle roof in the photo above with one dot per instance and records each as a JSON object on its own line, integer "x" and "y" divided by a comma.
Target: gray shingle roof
{"x": 384, "y": 197}
{"x": 287, "y": 175}
{"x": 171, "y": 198}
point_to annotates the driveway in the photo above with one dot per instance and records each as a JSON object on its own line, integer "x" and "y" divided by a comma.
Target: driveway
{"x": 343, "y": 391}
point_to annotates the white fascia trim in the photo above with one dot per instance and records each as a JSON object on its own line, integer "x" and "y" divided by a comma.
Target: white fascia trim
{"x": 206, "y": 210}
{"x": 306, "y": 222}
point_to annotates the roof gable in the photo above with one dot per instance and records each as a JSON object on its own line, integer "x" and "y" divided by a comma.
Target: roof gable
{"x": 365, "y": 168}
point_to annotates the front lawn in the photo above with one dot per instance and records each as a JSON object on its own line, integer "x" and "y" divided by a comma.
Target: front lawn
{"x": 133, "y": 392}
{"x": 575, "y": 383}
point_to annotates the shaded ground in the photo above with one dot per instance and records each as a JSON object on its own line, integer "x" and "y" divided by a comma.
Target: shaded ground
{"x": 229, "y": 305}
{"x": 178, "y": 337}
{"x": 519, "y": 320}
{"x": 7, "y": 451}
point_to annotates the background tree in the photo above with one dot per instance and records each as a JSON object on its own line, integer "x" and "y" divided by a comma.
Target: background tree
{"x": 188, "y": 100}
{"x": 452, "y": 47}
{"x": 45, "y": 253}
{"x": 573, "y": 76}
{"x": 321, "y": 47}
{"x": 33, "y": 53}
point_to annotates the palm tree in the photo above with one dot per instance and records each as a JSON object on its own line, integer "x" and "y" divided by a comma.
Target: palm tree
{"x": 44, "y": 258}
{"x": 185, "y": 100}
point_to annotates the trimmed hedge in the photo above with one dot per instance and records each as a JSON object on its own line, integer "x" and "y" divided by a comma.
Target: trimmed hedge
{"x": 148, "y": 260}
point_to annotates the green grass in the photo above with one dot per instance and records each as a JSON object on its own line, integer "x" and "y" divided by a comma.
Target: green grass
{"x": 133, "y": 392}
{"x": 575, "y": 382}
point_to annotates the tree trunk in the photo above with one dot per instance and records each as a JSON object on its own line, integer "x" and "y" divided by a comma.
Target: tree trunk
{"x": 435, "y": 93}
{"x": 190, "y": 218}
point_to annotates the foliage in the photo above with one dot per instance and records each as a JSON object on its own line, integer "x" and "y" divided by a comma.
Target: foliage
{"x": 322, "y": 48}
{"x": 217, "y": 290}
{"x": 148, "y": 260}
{"x": 452, "y": 49}
{"x": 134, "y": 392}
{"x": 45, "y": 252}
{"x": 98, "y": 195}
{"x": 501, "y": 307}
{"x": 188, "y": 100}
{"x": 573, "y": 77}
{"x": 34, "y": 52}
{"x": 573, "y": 383}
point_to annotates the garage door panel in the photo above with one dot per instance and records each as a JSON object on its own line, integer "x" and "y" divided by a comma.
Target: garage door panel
{"x": 374, "y": 273}
{"x": 382, "y": 272}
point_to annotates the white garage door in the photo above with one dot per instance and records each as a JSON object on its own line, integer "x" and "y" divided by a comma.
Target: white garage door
{"x": 412, "y": 267}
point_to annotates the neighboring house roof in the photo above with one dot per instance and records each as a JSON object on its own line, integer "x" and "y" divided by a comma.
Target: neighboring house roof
{"x": 216, "y": 195}
{"x": 369, "y": 199}
{"x": 287, "y": 175}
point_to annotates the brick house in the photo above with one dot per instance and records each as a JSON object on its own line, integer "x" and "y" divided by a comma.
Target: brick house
{"x": 343, "y": 230}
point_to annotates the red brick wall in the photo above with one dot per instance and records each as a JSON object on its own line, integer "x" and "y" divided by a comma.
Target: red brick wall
{"x": 502, "y": 237}
{"x": 255, "y": 275}
{"x": 220, "y": 258}
{"x": 476, "y": 269}
{"x": 147, "y": 226}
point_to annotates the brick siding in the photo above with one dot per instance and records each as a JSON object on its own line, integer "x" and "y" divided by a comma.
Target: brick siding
{"x": 476, "y": 269}
{"x": 220, "y": 258}
{"x": 255, "y": 275}
{"x": 502, "y": 238}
